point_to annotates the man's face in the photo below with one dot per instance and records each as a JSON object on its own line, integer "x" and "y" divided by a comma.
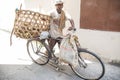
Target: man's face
{"x": 59, "y": 7}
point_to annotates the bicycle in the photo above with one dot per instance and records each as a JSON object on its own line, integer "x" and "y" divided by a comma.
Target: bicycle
{"x": 89, "y": 67}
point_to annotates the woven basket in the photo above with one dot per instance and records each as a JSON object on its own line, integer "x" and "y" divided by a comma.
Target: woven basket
{"x": 29, "y": 24}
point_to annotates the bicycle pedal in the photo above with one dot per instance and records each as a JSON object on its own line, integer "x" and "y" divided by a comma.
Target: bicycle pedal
{"x": 56, "y": 61}
{"x": 58, "y": 69}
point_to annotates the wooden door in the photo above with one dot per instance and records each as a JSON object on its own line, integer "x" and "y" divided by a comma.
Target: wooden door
{"x": 100, "y": 15}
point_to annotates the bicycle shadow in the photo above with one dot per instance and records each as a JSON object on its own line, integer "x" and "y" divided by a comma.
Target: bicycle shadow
{"x": 35, "y": 72}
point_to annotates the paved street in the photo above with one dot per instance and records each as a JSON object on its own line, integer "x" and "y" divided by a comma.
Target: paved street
{"x": 15, "y": 64}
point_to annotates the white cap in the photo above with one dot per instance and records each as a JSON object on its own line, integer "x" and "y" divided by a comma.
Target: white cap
{"x": 58, "y": 2}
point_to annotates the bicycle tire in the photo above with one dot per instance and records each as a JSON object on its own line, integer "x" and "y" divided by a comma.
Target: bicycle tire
{"x": 40, "y": 57}
{"x": 82, "y": 66}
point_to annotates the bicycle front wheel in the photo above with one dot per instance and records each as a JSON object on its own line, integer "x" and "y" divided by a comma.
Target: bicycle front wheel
{"x": 37, "y": 51}
{"x": 89, "y": 66}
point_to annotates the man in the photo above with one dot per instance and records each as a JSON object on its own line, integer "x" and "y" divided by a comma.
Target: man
{"x": 57, "y": 24}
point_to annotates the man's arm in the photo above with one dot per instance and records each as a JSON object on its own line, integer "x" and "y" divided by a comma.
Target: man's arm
{"x": 72, "y": 24}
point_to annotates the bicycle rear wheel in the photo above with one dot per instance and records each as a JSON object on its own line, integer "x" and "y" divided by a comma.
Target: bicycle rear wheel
{"x": 89, "y": 66}
{"x": 37, "y": 51}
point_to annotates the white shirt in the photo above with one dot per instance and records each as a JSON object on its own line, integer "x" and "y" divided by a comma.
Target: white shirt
{"x": 54, "y": 27}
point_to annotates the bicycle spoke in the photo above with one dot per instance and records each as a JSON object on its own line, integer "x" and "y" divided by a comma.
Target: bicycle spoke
{"x": 37, "y": 52}
{"x": 89, "y": 66}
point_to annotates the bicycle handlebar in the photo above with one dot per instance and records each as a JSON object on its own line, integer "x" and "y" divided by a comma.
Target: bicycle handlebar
{"x": 73, "y": 30}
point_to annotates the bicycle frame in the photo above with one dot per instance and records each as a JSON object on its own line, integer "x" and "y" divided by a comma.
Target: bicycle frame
{"x": 69, "y": 36}
{"x": 50, "y": 56}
